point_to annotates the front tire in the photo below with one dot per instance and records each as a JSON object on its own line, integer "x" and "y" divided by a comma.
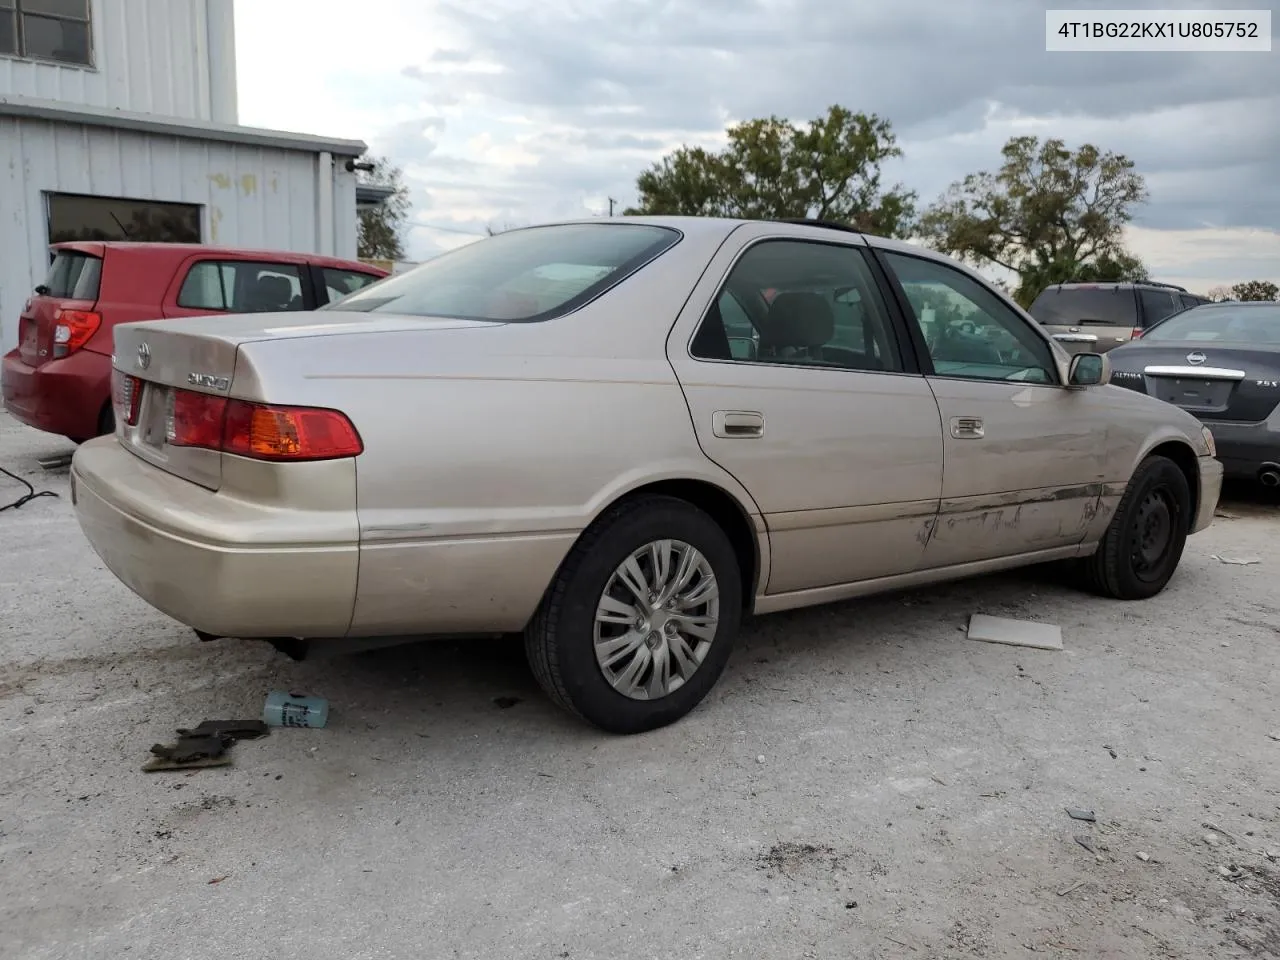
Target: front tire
{"x": 1144, "y": 542}
{"x": 641, "y": 618}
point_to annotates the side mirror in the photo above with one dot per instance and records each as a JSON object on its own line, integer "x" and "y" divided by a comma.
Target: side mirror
{"x": 42, "y": 291}
{"x": 1089, "y": 370}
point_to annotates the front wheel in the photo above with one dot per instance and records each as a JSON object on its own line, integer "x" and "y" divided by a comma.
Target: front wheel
{"x": 641, "y": 618}
{"x": 1144, "y": 542}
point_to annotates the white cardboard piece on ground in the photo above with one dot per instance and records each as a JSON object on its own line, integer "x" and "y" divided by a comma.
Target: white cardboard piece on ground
{"x": 1017, "y": 633}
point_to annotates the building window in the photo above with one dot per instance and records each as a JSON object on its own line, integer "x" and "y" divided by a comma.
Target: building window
{"x": 55, "y": 30}
{"x": 73, "y": 217}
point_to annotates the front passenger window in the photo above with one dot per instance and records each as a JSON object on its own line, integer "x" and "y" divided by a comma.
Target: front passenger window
{"x": 970, "y": 332}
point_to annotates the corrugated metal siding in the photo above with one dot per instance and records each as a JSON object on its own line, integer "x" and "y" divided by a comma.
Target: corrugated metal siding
{"x": 252, "y": 196}
{"x": 150, "y": 56}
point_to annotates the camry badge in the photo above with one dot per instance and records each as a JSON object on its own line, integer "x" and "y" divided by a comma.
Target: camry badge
{"x": 1196, "y": 357}
{"x": 208, "y": 380}
{"x": 144, "y": 356}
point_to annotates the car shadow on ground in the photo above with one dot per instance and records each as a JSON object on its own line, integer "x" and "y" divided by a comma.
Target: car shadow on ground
{"x": 459, "y": 684}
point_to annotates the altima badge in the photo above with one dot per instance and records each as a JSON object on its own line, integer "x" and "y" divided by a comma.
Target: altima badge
{"x": 1196, "y": 357}
{"x": 144, "y": 356}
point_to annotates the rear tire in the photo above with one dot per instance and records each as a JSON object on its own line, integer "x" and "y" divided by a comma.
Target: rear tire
{"x": 1144, "y": 542}
{"x": 106, "y": 421}
{"x": 622, "y": 661}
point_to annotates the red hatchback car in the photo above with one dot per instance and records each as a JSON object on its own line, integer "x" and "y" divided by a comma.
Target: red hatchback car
{"x": 59, "y": 377}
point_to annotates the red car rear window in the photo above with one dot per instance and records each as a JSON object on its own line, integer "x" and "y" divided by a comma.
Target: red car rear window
{"x": 74, "y": 276}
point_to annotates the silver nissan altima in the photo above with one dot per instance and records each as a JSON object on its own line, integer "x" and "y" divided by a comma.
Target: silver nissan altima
{"x": 618, "y": 437}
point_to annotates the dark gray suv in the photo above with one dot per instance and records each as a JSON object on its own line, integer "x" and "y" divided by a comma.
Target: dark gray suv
{"x": 1094, "y": 317}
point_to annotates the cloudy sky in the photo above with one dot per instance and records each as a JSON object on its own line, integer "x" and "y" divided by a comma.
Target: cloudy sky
{"x": 509, "y": 112}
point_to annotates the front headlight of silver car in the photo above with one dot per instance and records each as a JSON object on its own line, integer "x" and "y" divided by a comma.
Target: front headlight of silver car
{"x": 1208, "y": 441}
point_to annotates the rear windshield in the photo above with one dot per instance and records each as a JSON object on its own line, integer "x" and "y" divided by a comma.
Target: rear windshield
{"x": 524, "y": 275}
{"x": 73, "y": 276}
{"x": 1086, "y": 306}
{"x": 1221, "y": 323}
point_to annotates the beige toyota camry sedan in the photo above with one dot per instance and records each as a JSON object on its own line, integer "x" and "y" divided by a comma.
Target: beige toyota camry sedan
{"x": 619, "y": 437}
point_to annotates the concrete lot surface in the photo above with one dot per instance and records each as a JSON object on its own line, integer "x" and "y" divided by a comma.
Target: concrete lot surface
{"x": 864, "y": 781}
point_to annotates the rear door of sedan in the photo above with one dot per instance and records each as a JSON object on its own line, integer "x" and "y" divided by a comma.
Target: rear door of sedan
{"x": 800, "y": 383}
{"x": 1024, "y": 455}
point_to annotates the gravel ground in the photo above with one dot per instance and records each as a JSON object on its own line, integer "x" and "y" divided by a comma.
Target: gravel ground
{"x": 864, "y": 781}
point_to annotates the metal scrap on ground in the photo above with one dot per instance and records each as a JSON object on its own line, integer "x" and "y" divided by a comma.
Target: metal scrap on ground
{"x": 1018, "y": 633}
{"x": 1237, "y": 561}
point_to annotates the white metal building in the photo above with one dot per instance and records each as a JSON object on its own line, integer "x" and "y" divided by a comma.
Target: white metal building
{"x": 118, "y": 120}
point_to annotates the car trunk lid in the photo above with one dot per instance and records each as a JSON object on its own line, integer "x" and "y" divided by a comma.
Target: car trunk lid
{"x": 157, "y": 363}
{"x": 1212, "y": 383}
{"x": 71, "y": 288}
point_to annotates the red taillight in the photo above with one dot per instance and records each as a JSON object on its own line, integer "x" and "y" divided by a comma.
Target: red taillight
{"x": 195, "y": 419}
{"x": 267, "y": 432}
{"x": 259, "y": 431}
{"x": 74, "y": 329}
{"x": 1137, "y": 332}
{"x": 126, "y": 397}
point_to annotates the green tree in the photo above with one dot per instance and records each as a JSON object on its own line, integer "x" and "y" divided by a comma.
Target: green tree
{"x": 1048, "y": 214}
{"x": 380, "y": 232}
{"x": 1255, "y": 290}
{"x": 775, "y": 169}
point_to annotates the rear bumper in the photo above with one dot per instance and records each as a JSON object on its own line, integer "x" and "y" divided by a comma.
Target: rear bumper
{"x": 1210, "y": 491}
{"x": 1244, "y": 447}
{"x": 214, "y": 562}
{"x": 64, "y": 396}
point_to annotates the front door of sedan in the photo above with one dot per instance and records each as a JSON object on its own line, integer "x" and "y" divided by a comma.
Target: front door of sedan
{"x": 1023, "y": 463}
{"x": 799, "y": 384}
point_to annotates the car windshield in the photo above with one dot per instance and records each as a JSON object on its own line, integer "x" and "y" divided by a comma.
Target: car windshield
{"x": 1231, "y": 323}
{"x": 524, "y": 275}
{"x": 1073, "y": 306}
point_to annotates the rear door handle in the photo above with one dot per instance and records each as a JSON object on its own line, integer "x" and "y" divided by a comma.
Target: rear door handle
{"x": 967, "y": 428}
{"x": 736, "y": 424}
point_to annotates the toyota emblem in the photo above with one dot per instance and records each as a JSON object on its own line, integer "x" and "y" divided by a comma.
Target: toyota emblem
{"x": 1196, "y": 357}
{"x": 144, "y": 356}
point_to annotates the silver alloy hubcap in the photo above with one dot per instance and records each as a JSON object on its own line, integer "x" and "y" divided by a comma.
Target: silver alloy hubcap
{"x": 657, "y": 619}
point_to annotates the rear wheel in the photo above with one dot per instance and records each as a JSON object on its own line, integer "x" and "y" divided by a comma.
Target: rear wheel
{"x": 641, "y": 618}
{"x": 1142, "y": 546}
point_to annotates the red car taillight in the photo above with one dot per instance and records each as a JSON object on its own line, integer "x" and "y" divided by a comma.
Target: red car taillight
{"x": 260, "y": 431}
{"x": 74, "y": 329}
{"x": 126, "y": 397}
{"x": 1137, "y": 332}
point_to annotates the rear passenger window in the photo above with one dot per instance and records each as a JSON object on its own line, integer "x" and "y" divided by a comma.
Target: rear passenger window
{"x": 800, "y": 303}
{"x": 341, "y": 283}
{"x": 241, "y": 286}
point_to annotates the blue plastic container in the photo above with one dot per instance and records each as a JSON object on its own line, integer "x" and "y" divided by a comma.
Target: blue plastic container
{"x": 294, "y": 710}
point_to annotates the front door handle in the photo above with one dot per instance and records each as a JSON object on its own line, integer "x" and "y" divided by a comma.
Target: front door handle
{"x": 967, "y": 428}
{"x": 735, "y": 424}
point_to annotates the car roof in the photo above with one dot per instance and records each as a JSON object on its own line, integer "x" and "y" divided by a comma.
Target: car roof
{"x": 723, "y": 226}
{"x": 1273, "y": 304}
{"x": 176, "y": 251}
{"x": 1120, "y": 285}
